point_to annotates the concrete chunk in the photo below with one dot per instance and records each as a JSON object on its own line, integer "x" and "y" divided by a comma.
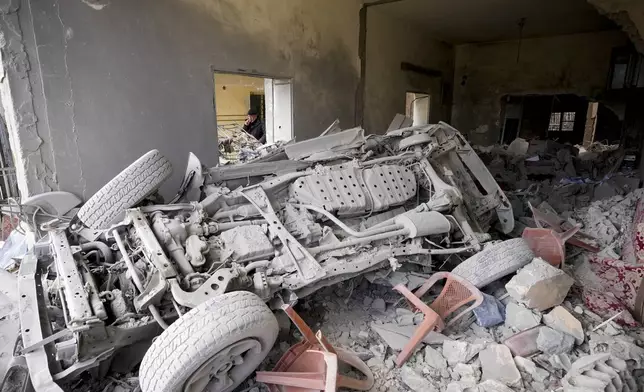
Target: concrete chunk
{"x": 539, "y": 285}
{"x": 468, "y": 373}
{"x": 434, "y": 358}
{"x": 397, "y": 336}
{"x": 521, "y": 318}
{"x": 498, "y": 364}
{"x": 526, "y": 365}
{"x": 493, "y": 386}
{"x": 552, "y": 341}
{"x": 460, "y": 352}
{"x": 561, "y": 320}
{"x": 415, "y": 381}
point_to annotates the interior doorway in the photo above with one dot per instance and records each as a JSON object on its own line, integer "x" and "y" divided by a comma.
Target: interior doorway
{"x": 417, "y": 107}
{"x": 272, "y": 99}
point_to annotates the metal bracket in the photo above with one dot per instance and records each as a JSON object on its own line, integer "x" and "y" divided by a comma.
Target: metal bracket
{"x": 79, "y": 367}
{"x": 360, "y": 263}
{"x": 308, "y": 268}
{"x": 78, "y": 305}
{"x": 151, "y": 295}
{"x": 32, "y": 331}
{"x": 213, "y": 286}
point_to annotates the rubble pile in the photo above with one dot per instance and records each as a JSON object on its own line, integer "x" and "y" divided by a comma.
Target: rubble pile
{"x": 510, "y": 316}
{"x": 535, "y": 330}
{"x": 564, "y": 176}
{"x": 469, "y": 357}
{"x": 235, "y": 145}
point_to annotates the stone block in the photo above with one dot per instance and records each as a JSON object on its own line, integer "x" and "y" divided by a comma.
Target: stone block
{"x": 552, "y": 341}
{"x": 460, "y": 352}
{"x": 561, "y": 320}
{"x": 521, "y": 318}
{"x": 539, "y": 285}
{"x": 497, "y": 364}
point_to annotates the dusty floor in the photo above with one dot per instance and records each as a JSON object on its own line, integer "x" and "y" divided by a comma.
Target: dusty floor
{"x": 346, "y": 314}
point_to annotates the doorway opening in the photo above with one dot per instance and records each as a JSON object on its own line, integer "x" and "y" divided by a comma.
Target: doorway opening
{"x": 236, "y": 95}
{"x": 417, "y": 107}
{"x": 567, "y": 118}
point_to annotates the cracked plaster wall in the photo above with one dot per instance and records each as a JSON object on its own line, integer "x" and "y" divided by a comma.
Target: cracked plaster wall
{"x": 391, "y": 41}
{"x": 90, "y": 85}
{"x": 571, "y": 64}
{"x": 629, "y": 14}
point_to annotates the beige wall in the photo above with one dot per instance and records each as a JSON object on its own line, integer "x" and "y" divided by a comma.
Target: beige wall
{"x": 576, "y": 64}
{"x": 389, "y": 42}
{"x": 232, "y": 96}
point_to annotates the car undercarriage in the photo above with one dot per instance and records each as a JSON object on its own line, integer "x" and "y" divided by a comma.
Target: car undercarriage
{"x": 304, "y": 216}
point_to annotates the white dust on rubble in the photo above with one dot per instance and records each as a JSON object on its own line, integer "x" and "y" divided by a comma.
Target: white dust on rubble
{"x": 610, "y": 219}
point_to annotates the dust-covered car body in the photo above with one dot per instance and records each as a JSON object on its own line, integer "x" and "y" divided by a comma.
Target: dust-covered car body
{"x": 308, "y": 215}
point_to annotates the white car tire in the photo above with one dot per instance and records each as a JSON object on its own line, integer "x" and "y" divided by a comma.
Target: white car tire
{"x": 213, "y": 347}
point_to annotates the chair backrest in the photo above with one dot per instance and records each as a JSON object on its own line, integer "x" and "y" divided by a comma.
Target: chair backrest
{"x": 454, "y": 295}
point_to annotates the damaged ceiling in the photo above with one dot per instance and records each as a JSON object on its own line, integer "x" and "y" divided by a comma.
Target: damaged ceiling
{"x": 464, "y": 21}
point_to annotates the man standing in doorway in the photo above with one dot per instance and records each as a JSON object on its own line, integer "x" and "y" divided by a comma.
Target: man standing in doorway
{"x": 254, "y": 126}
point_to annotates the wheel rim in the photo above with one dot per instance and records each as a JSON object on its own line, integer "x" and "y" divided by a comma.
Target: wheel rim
{"x": 218, "y": 373}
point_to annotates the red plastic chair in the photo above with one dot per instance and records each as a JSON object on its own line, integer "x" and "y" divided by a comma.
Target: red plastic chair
{"x": 303, "y": 368}
{"x": 456, "y": 293}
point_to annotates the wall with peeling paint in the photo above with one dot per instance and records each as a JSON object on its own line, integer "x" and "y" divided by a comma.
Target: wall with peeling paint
{"x": 574, "y": 64}
{"x": 94, "y": 84}
{"x": 391, "y": 41}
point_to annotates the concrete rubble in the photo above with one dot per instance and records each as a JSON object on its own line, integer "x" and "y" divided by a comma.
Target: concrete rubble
{"x": 539, "y": 285}
{"x": 521, "y": 318}
{"x": 534, "y": 332}
{"x": 561, "y": 319}
{"x": 498, "y": 364}
{"x": 552, "y": 341}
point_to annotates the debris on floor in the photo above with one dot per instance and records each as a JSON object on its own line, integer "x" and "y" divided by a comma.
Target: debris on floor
{"x": 543, "y": 327}
{"x": 508, "y": 318}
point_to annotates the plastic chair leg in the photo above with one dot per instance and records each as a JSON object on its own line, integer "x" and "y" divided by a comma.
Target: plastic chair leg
{"x": 431, "y": 320}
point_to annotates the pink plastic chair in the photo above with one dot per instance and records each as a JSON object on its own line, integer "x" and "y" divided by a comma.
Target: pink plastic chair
{"x": 549, "y": 244}
{"x": 313, "y": 371}
{"x": 456, "y": 293}
{"x": 312, "y": 364}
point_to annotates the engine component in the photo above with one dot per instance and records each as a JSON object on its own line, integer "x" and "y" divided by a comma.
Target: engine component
{"x": 151, "y": 247}
{"x": 308, "y": 268}
{"x": 118, "y": 304}
{"x": 350, "y": 190}
{"x": 245, "y": 243}
{"x": 92, "y": 292}
{"x": 194, "y": 281}
{"x": 195, "y": 248}
{"x": 172, "y": 234}
{"x": 421, "y": 224}
{"x": 260, "y": 285}
{"x": 300, "y": 223}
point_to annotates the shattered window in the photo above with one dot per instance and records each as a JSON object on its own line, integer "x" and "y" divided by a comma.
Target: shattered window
{"x": 555, "y": 122}
{"x": 568, "y": 121}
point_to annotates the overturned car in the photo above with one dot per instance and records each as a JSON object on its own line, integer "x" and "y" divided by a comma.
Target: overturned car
{"x": 202, "y": 273}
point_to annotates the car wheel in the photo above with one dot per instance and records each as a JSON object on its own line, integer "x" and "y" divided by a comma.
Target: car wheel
{"x": 495, "y": 262}
{"x": 214, "y": 347}
{"x": 127, "y": 189}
